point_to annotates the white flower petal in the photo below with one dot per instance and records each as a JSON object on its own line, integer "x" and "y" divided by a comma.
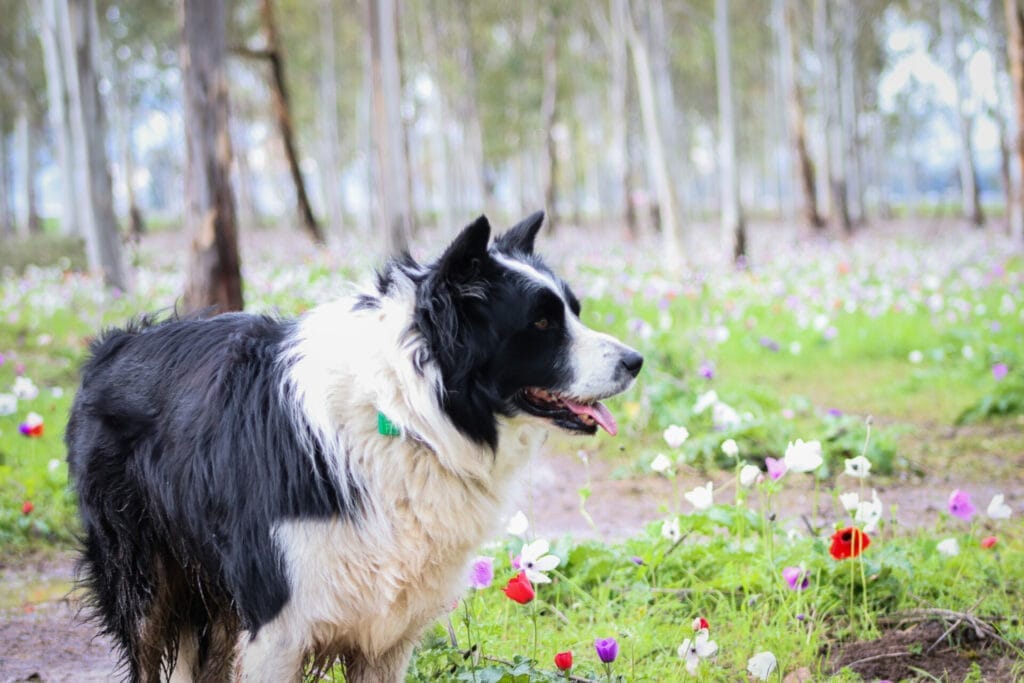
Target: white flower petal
{"x": 675, "y": 436}
{"x": 670, "y": 529}
{"x": 8, "y": 404}
{"x": 803, "y": 457}
{"x": 532, "y": 551}
{"x": 749, "y": 475}
{"x": 536, "y": 577}
{"x": 660, "y": 463}
{"x": 949, "y": 547}
{"x": 518, "y": 524}
{"x": 546, "y": 563}
{"x": 849, "y": 501}
{"x": 701, "y": 497}
{"x": 730, "y": 448}
{"x": 762, "y": 665}
{"x": 858, "y": 467}
{"x": 998, "y": 509}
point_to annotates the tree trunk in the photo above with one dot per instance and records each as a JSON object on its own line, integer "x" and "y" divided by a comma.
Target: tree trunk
{"x": 549, "y": 114}
{"x": 214, "y": 279}
{"x": 1015, "y": 55}
{"x": 656, "y": 151}
{"x": 439, "y": 107}
{"x": 949, "y": 19}
{"x": 394, "y": 203}
{"x": 849, "y": 114}
{"x": 6, "y": 219}
{"x": 327, "y": 112}
{"x": 59, "y": 111}
{"x": 28, "y": 214}
{"x": 795, "y": 115}
{"x": 123, "y": 112}
{"x": 80, "y": 45}
{"x": 282, "y": 112}
{"x": 734, "y": 239}
{"x": 618, "y": 108}
{"x": 469, "y": 113}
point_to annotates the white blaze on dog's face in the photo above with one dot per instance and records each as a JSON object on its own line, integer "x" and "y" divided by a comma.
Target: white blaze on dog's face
{"x": 515, "y": 343}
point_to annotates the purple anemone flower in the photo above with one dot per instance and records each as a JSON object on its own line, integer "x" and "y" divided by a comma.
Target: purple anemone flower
{"x": 607, "y": 649}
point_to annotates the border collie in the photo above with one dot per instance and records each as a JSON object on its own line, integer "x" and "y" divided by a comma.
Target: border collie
{"x": 248, "y": 512}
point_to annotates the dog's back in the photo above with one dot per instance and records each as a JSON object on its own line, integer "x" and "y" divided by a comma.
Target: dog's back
{"x": 174, "y": 446}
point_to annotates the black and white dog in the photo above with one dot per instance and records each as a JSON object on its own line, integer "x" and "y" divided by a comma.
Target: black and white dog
{"x": 244, "y": 515}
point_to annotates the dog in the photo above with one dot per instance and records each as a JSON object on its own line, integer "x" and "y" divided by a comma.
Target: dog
{"x": 262, "y": 497}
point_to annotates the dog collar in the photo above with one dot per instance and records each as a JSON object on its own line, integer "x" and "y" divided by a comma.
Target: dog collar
{"x": 386, "y": 427}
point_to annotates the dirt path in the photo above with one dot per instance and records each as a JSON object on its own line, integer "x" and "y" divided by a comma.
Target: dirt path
{"x": 41, "y": 640}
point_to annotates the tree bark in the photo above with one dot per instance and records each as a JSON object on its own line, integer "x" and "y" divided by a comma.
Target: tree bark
{"x": 394, "y": 203}
{"x": 282, "y": 113}
{"x": 795, "y": 116}
{"x": 949, "y": 19}
{"x": 79, "y": 48}
{"x": 831, "y": 102}
{"x": 549, "y": 114}
{"x": 28, "y": 213}
{"x": 734, "y": 238}
{"x": 330, "y": 172}
{"x": 214, "y": 279}
{"x": 475, "y": 185}
{"x": 1015, "y": 55}
{"x": 59, "y": 112}
{"x": 656, "y": 151}
{"x": 6, "y": 219}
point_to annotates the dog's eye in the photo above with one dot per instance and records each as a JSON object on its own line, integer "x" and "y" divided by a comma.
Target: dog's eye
{"x": 541, "y": 324}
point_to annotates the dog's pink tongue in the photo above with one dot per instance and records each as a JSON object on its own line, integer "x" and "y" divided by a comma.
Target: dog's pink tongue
{"x": 601, "y": 415}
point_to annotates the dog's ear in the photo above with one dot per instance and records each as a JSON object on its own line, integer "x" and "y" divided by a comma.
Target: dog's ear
{"x": 461, "y": 261}
{"x": 520, "y": 236}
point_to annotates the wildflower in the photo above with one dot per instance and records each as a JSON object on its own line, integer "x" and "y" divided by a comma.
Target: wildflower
{"x": 849, "y": 501}
{"x": 762, "y": 665}
{"x": 730, "y": 448}
{"x": 697, "y": 648}
{"x": 705, "y": 401}
{"x": 481, "y": 573}
{"x": 997, "y": 509}
{"x": 848, "y": 542}
{"x": 637, "y": 560}
{"x": 701, "y": 497}
{"x": 776, "y": 468}
{"x": 25, "y": 389}
{"x": 520, "y": 589}
{"x": 32, "y": 426}
{"x": 8, "y": 404}
{"x": 749, "y": 475}
{"x": 27, "y": 507}
{"x": 915, "y": 357}
{"x": 660, "y": 464}
{"x": 675, "y": 436}
{"x": 988, "y": 542}
{"x": 724, "y": 416}
{"x": 607, "y": 649}
{"x": 707, "y": 370}
{"x": 701, "y": 624}
{"x": 53, "y": 465}
{"x": 960, "y": 505}
{"x": 803, "y": 457}
{"x": 518, "y": 524}
{"x": 670, "y": 529}
{"x": 869, "y": 512}
{"x": 858, "y": 467}
{"x": 949, "y": 547}
{"x": 797, "y": 578}
{"x": 563, "y": 660}
{"x": 535, "y": 560}
{"x": 1000, "y": 371}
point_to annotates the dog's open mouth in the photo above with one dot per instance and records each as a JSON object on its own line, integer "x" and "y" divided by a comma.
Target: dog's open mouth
{"x": 568, "y": 413}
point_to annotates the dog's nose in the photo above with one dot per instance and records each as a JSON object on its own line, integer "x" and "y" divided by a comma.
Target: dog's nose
{"x": 632, "y": 361}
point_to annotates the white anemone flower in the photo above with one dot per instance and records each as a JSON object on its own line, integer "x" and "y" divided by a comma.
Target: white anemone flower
{"x": 518, "y": 524}
{"x": 762, "y": 665}
{"x": 535, "y": 560}
{"x": 858, "y": 467}
{"x": 724, "y": 416}
{"x": 697, "y": 648}
{"x": 749, "y": 475}
{"x": 701, "y": 497}
{"x": 949, "y": 547}
{"x": 803, "y": 456}
{"x": 869, "y": 512}
{"x": 8, "y": 404}
{"x": 730, "y": 448}
{"x": 849, "y": 501}
{"x": 705, "y": 401}
{"x": 25, "y": 389}
{"x": 675, "y": 436}
{"x": 998, "y": 509}
{"x": 661, "y": 463}
{"x": 670, "y": 529}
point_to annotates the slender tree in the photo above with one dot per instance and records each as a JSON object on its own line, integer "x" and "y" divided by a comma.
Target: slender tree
{"x": 214, "y": 278}
{"x": 734, "y": 239}
{"x": 549, "y": 113}
{"x": 6, "y": 219}
{"x": 327, "y": 114}
{"x": 1015, "y": 55}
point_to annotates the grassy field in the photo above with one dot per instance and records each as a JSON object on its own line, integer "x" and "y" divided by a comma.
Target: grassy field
{"x": 923, "y": 334}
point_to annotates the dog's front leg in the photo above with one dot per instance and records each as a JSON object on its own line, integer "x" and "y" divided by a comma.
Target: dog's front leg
{"x": 271, "y": 656}
{"x": 388, "y": 667}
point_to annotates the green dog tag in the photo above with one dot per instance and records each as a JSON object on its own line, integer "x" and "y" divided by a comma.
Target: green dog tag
{"x": 386, "y": 426}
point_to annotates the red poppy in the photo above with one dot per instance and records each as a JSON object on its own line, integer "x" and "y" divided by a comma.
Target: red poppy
{"x": 848, "y": 542}
{"x": 563, "y": 660}
{"x": 988, "y": 541}
{"x": 701, "y": 624}
{"x": 27, "y": 507}
{"x": 520, "y": 589}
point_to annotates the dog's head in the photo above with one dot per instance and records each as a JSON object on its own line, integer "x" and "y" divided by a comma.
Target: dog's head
{"x": 507, "y": 336}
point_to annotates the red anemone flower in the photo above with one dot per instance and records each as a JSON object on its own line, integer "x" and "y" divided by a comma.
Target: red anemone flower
{"x": 563, "y": 660}
{"x": 988, "y": 541}
{"x": 27, "y": 507}
{"x": 848, "y": 542}
{"x": 520, "y": 589}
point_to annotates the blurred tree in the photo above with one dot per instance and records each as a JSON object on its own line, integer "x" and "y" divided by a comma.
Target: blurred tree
{"x": 214, "y": 279}
{"x": 995, "y": 30}
{"x": 734, "y": 235}
{"x": 6, "y": 219}
{"x": 549, "y": 110}
{"x": 327, "y": 119}
{"x": 77, "y": 41}
{"x": 1015, "y": 54}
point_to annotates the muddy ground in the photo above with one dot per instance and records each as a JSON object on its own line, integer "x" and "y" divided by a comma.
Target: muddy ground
{"x": 41, "y": 638}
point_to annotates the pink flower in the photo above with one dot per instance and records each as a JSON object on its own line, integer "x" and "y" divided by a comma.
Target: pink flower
{"x": 797, "y": 578}
{"x": 1000, "y": 371}
{"x": 988, "y": 542}
{"x": 960, "y": 505}
{"x": 776, "y": 467}
{"x": 481, "y": 573}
